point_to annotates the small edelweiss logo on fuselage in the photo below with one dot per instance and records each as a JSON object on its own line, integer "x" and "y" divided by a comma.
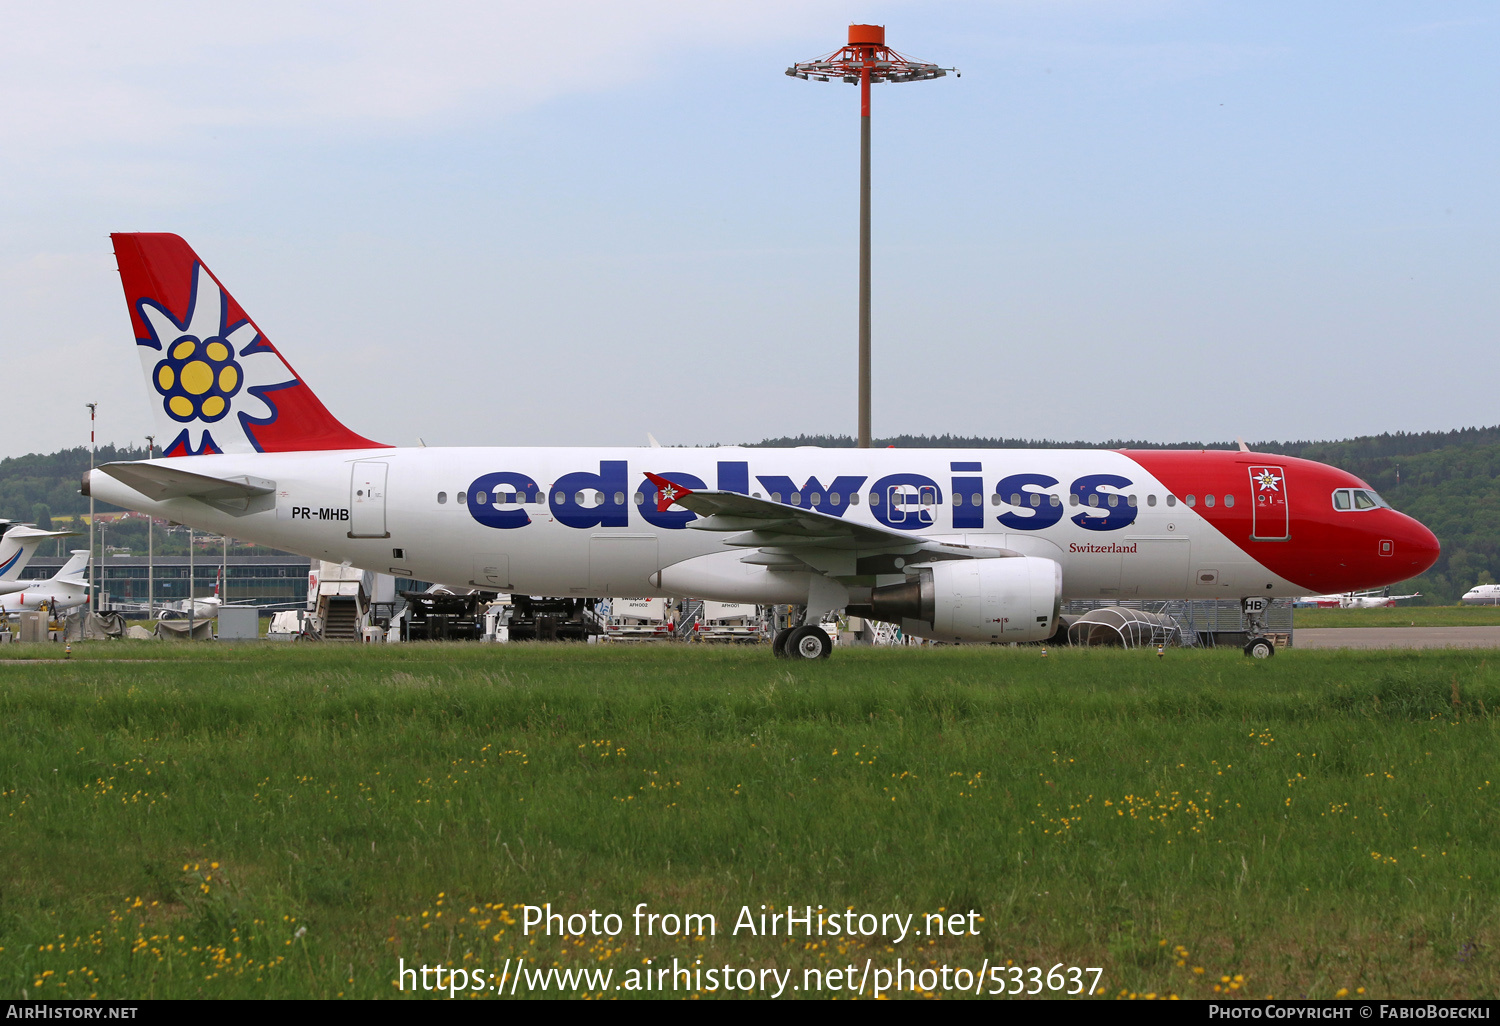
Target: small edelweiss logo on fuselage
{"x": 1268, "y": 481}
{"x": 205, "y": 368}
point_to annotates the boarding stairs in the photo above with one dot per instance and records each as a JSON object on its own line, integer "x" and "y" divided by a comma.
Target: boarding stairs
{"x": 692, "y": 611}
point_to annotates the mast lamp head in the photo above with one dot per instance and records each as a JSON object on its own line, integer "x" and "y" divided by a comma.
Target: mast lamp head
{"x": 866, "y": 35}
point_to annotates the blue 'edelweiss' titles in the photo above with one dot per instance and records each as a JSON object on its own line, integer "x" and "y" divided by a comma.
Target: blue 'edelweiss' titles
{"x": 204, "y": 369}
{"x": 903, "y": 501}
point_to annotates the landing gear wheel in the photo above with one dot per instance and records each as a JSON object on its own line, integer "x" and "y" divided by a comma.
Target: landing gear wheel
{"x": 809, "y": 642}
{"x": 778, "y": 643}
{"x": 1260, "y": 648}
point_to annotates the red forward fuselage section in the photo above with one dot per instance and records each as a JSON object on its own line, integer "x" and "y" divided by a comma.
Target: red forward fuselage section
{"x": 1295, "y": 523}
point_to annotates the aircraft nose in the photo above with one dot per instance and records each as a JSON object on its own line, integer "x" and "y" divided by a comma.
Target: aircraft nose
{"x": 1416, "y": 545}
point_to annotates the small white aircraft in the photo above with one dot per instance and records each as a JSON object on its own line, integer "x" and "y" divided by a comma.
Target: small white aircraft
{"x": 202, "y": 608}
{"x": 67, "y": 589}
{"x": 1482, "y": 595}
{"x": 16, "y": 549}
{"x": 1354, "y": 600}
{"x": 205, "y": 608}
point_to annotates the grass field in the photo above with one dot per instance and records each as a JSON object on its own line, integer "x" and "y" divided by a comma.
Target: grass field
{"x": 1399, "y": 616}
{"x": 293, "y": 820}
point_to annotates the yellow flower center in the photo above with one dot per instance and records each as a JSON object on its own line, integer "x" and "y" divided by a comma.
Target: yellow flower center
{"x": 197, "y": 377}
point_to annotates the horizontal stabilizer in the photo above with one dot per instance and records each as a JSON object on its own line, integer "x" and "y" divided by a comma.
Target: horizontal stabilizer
{"x": 155, "y": 480}
{"x": 23, "y": 532}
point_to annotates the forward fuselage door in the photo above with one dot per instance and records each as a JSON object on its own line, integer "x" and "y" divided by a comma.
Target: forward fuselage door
{"x": 367, "y": 480}
{"x": 1270, "y": 513}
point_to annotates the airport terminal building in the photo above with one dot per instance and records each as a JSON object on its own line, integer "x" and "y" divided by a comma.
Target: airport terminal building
{"x": 279, "y": 580}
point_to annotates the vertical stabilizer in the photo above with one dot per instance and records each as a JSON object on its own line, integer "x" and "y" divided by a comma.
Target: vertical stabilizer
{"x": 19, "y": 545}
{"x": 78, "y": 561}
{"x": 218, "y": 385}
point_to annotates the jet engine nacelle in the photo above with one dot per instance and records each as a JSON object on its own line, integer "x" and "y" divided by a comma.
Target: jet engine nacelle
{"x": 976, "y": 600}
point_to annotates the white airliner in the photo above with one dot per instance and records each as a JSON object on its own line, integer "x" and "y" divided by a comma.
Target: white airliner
{"x": 955, "y": 545}
{"x": 1482, "y": 595}
{"x": 16, "y": 549}
{"x": 66, "y": 589}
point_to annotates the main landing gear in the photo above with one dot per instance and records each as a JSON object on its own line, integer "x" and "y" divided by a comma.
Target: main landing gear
{"x": 803, "y": 641}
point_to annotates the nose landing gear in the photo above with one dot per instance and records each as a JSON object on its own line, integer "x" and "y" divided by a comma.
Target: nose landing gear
{"x": 1258, "y": 646}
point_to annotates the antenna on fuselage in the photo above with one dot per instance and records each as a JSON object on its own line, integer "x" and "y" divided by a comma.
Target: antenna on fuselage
{"x": 1243, "y": 446}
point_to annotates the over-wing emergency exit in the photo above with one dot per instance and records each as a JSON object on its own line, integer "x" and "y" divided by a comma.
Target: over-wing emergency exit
{"x": 957, "y": 545}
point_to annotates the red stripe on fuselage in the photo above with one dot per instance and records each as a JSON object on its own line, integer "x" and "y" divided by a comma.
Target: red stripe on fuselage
{"x": 1327, "y": 550}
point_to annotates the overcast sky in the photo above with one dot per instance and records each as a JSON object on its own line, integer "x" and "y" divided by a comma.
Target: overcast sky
{"x": 574, "y": 223}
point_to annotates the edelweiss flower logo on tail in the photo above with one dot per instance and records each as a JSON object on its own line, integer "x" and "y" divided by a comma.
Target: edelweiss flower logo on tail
{"x": 204, "y": 369}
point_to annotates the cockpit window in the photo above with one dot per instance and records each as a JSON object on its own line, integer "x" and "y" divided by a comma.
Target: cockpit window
{"x": 1358, "y": 499}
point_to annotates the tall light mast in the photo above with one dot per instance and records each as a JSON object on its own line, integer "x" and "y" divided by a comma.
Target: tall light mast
{"x": 150, "y": 544}
{"x": 864, "y": 61}
{"x": 93, "y": 563}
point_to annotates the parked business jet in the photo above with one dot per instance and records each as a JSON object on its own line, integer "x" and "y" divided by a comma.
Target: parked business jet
{"x": 204, "y": 608}
{"x": 956, "y": 545}
{"x": 64, "y": 590}
{"x": 1374, "y": 599}
{"x": 1482, "y": 595}
{"x": 16, "y": 549}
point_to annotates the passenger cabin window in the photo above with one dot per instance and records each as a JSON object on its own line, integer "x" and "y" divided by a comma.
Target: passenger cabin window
{"x": 1171, "y": 500}
{"x": 1114, "y": 500}
{"x": 1151, "y": 500}
{"x": 834, "y": 498}
{"x": 1130, "y": 500}
{"x": 1208, "y": 500}
{"x": 854, "y": 498}
{"x": 442, "y": 498}
{"x": 1094, "y": 499}
{"x": 1191, "y": 500}
{"x": 1055, "y": 500}
{"x": 462, "y": 498}
{"x": 481, "y": 498}
{"x": 1229, "y": 500}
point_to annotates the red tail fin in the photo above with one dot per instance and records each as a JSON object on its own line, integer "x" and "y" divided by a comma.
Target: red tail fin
{"x": 220, "y": 385}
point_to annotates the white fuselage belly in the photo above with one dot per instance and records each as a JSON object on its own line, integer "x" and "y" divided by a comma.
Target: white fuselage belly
{"x": 1161, "y": 553}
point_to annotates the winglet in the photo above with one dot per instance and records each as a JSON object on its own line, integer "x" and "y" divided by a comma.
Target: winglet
{"x": 667, "y": 492}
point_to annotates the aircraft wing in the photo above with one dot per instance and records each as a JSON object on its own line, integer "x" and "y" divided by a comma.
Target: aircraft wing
{"x": 153, "y": 479}
{"x": 790, "y": 536}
